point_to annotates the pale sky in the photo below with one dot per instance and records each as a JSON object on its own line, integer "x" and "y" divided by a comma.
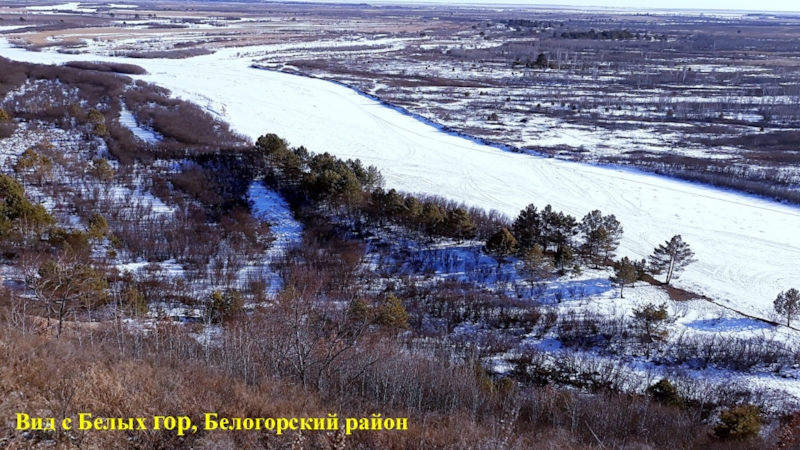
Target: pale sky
{"x": 734, "y": 5}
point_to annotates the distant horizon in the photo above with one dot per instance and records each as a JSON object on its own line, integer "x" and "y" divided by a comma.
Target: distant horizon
{"x": 765, "y": 6}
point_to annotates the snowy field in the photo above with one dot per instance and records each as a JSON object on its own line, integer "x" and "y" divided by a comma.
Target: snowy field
{"x": 748, "y": 249}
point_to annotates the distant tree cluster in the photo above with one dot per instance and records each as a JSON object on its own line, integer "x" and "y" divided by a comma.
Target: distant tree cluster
{"x": 526, "y": 23}
{"x": 546, "y": 239}
{"x": 549, "y": 238}
{"x": 599, "y": 35}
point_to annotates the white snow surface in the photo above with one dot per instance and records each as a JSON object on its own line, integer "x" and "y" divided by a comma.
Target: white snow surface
{"x": 269, "y": 206}
{"x": 12, "y": 27}
{"x": 127, "y": 119}
{"x": 748, "y": 249}
{"x": 73, "y": 6}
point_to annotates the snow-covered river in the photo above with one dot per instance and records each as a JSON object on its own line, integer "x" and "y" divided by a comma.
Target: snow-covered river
{"x": 748, "y": 248}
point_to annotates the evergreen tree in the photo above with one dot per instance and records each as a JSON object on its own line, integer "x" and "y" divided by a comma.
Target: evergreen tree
{"x": 101, "y": 169}
{"x": 98, "y": 227}
{"x": 394, "y": 205}
{"x": 651, "y": 319}
{"x": 601, "y": 236}
{"x": 557, "y": 228}
{"x": 671, "y": 258}
{"x": 536, "y": 264}
{"x": 272, "y": 146}
{"x": 222, "y": 305}
{"x": 133, "y": 302}
{"x": 17, "y": 212}
{"x": 501, "y": 245}
{"x": 431, "y": 218}
{"x": 392, "y": 313}
{"x": 40, "y": 167}
{"x": 458, "y": 225}
{"x": 413, "y": 210}
{"x": 665, "y": 393}
{"x": 97, "y": 119}
{"x": 65, "y": 285}
{"x": 370, "y": 178}
{"x": 359, "y": 311}
{"x": 624, "y": 273}
{"x": 739, "y": 422}
{"x": 641, "y": 269}
{"x": 564, "y": 257}
{"x": 787, "y": 304}
{"x": 527, "y": 228}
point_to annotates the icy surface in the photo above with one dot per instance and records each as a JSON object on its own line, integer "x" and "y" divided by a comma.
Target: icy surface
{"x": 748, "y": 249}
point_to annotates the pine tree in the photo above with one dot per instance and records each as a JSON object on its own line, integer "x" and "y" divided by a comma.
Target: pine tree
{"x": 359, "y": 311}
{"x": 272, "y": 146}
{"x": 101, "y": 169}
{"x": 222, "y": 305}
{"x": 527, "y": 228}
{"x": 133, "y": 302}
{"x": 32, "y": 164}
{"x": 541, "y": 60}
{"x": 601, "y": 235}
{"x": 17, "y": 212}
{"x": 98, "y": 226}
{"x": 557, "y": 228}
{"x": 394, "y": 204}
{"x": 787, "y": 304}
{"x": 413, "y": 210}
{"x": 392, "y": 313}
{"x": 458, "y": 225}
{"x": 431, "y": 219}
{"x": 739, "y": 422}
{"x": 536, "y": 264}
{"x": 665, "y": 393}
{"x": 65, "y": 285}
{"x": 563, "y": 257}
{"x": 671, "y": 258}
{"x": 651, "y": 319}
{"x": 624, "y": 273}
{"x": 501, "y": 245}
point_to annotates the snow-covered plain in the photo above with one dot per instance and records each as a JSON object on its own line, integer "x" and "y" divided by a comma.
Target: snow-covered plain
{"x": 73, "y": 6}
{"x": 748, "y": 248}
